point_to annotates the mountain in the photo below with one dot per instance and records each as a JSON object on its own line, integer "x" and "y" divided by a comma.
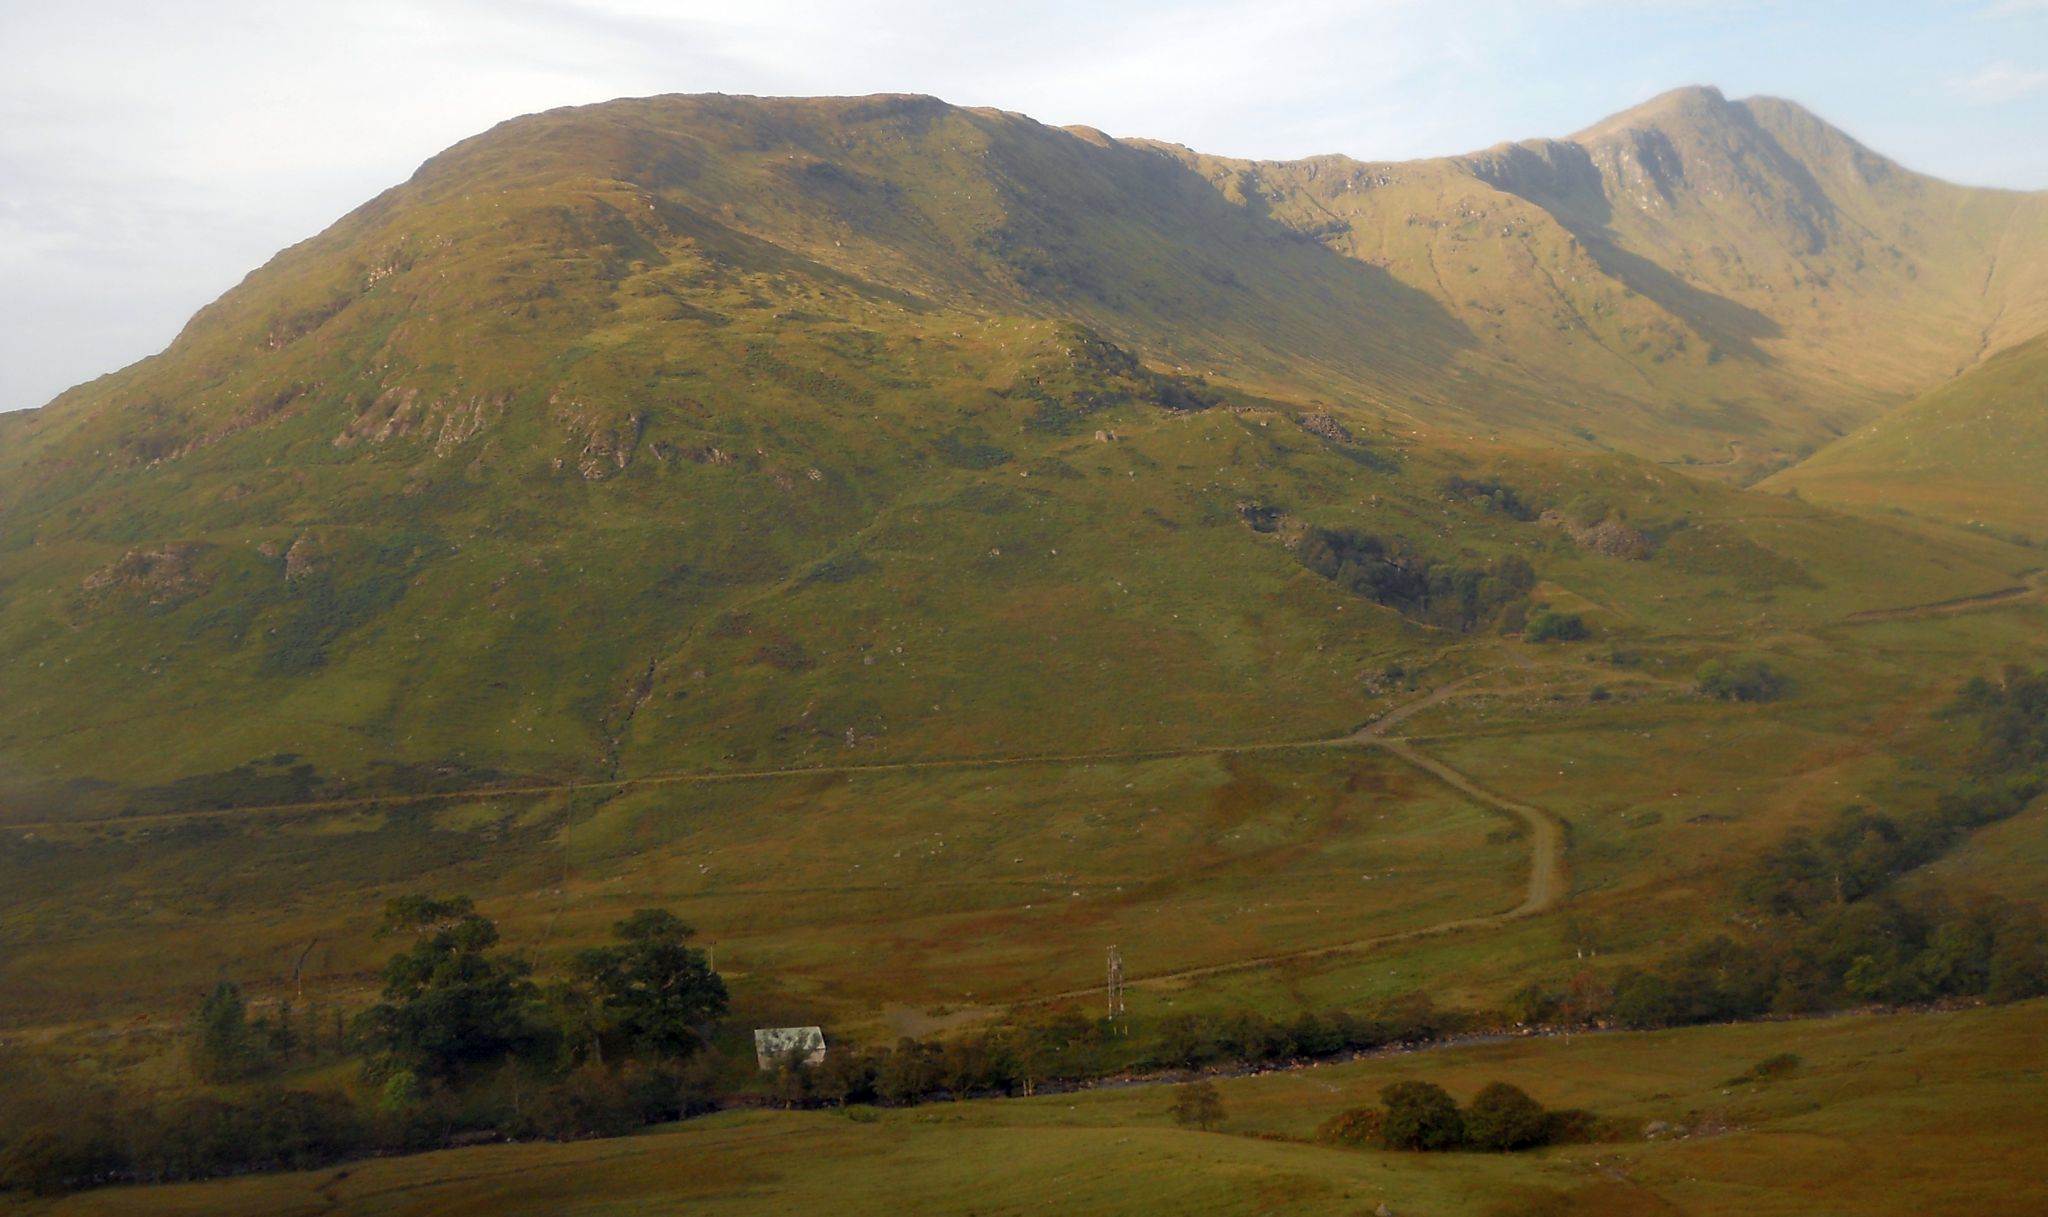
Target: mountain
{"x": 1688, "y": 273}
{"x": 691, "y": 432}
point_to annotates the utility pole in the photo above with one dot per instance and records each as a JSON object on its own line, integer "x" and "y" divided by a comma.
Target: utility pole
{"x": 1116, "y": 983}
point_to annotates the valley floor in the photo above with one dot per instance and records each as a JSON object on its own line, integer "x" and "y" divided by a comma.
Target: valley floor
{"x": 1922, "y": 1113}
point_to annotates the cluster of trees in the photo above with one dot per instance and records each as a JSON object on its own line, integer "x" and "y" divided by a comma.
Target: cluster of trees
{"x": 1881, "y": 950}
{"x": 1062, "y": 1047}
{"x": 454, "y": 1006}
{"x": 1423, "y": 1116}
{"x": 1189, "y": 1041}
{"x": 229, "y": 1044}
{"x": 1491, "y": 495}
{"x": 463, "y": 1040}
{"x": 2010, "y": 715}
{"x": 1446, "y": 594}
{"x": 1831, "y": 929}
{"x": 85, "y": 1136}
{"x": 1056, "y": 1047}
{"x": 1747, "y": 679}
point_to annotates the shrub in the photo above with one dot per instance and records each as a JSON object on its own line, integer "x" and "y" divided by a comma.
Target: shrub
{"x": 1502, "y": 1117}
{"x": 1741, "y": 680}
{"x": 1550, "y": 626}
{"x": 591, "y": 1102}
{"x": 1420, "y": 1116}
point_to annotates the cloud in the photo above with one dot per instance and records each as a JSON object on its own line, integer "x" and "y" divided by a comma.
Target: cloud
{"x": 2000, "y": 82}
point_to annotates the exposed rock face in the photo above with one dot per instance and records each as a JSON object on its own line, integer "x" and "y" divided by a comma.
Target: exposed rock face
{"x": 153, "y": 576}
{"x": 1610, "y": 537}
{"x": 399, "y": 413}
{"x": 1325, "y": 426}
{"x": 298, "y": 560}
{"x": 610, "y": 449}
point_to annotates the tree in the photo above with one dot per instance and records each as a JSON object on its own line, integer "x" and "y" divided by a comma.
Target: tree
{"x": 1252, "y": 1036}
{"x": 654, "y": 990}
{"x": 1187, "y": 1039}
{"x": 963, "y": 1065}
{"x": 907, "y": 1073}
{"x": 1315, "y": 1035}
{"x": 1420, "y": 1115}
{"x": 1502, "y": 1117}
{"x": 791, "y": 1083}
{"x": 450, "y": 1005}
{"x": 844, "y": 1075}
{"x": 2019, "y": 957}
{"x": 1199, "y": 1104}
{"x": 221, "y": 1050}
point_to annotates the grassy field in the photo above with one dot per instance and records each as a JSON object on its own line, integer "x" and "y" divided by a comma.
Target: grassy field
{"x": 1963, "y": 453}
{"x": 845, "y": 896}
{"x": 1902, "y": 1114}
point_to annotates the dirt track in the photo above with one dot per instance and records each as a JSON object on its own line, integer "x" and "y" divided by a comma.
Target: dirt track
{"x": 2033, "y": 588}
{"x": 1545, "y": 890}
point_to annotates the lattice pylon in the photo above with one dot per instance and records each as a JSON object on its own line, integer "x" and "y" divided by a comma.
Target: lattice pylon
{"x": 1116, "y": 983}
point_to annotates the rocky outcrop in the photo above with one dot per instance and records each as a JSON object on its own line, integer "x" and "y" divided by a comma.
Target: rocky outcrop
{"x": 1610, "y": 536}
{"x": 298, "y": 560}
{"x": 400, "y": 413}
{"x": 163, "y": 575}
{"x": 610, "y": 449}
{"x": 1322, "y": 424}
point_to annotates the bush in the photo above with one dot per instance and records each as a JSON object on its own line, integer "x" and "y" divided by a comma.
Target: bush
{"x": 1741, "y": 680}
{"x": 1549, "y": 626}
{"x": 1420, "y": 1116}
{"x": 1389, "y": 571}
{"x": 1502, "y": 1118}
{"x": 591, "y": 1102}
{"x": 1774, "y": 1066}
{"x": 47, "y": 1160}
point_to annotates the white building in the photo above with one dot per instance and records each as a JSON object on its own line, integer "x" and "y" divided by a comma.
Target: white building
{"x": 772, "y": 1045}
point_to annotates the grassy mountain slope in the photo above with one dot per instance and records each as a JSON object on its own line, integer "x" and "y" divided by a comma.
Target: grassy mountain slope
{"x": 711, "y": 436}
{"x": 696, "y": 431}
{"x": 1968, "y": 452}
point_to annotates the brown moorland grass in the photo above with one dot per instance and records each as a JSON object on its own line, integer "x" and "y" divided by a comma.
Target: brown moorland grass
{"x": 1903, "y": 1114}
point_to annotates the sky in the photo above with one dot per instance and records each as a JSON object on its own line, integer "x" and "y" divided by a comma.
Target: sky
{"x": 151, "y": 154}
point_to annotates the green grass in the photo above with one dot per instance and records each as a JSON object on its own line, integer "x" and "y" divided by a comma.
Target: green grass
{"x": 1966, "y": 453}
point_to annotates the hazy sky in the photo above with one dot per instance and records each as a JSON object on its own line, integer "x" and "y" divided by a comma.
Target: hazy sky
{"x": 151, "y": 153}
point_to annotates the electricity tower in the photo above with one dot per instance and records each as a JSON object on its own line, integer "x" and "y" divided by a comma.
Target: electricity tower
{"x": 1116, "y": 983}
